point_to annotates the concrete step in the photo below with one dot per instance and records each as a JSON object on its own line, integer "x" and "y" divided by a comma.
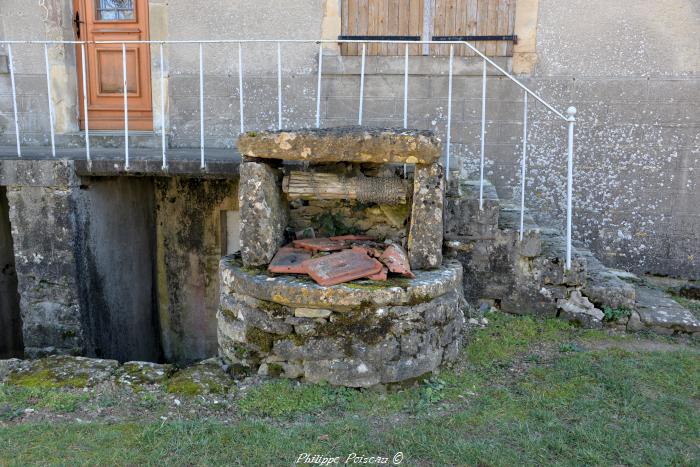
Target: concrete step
{"x": 528, "y": 276}
{"x": 110, "y": 139}
{"x": 655, "y": 309}
{"x": 463, "y": 216}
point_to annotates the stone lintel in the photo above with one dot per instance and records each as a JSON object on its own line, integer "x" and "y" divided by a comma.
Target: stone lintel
{"x": 347, "y": 144}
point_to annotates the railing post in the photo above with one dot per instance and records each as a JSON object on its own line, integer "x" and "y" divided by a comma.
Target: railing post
{"x": 571, "y": 112}
{"x": 11, "y": 63}
{"x": 126, "y": 109}
{"x": 318, "y": 86}
{"x": 202, "y": 165}
{"x": 50, "y": 99}
{"x": 405, "y": 98}
{"x": 405, "y": 89}
{"x": 279, "y": 86}
{"x": 362, "y": 85}
{"x": 449, "y": 116}
{"x": 85, "y": 106}
{"x": 240, "y": 85}
{"x": 523, "y": 166}
{"x": 483, "y": 138}
{"x": 162, "y": 107}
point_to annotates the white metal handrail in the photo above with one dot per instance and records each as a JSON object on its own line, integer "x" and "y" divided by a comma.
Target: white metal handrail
{"x": 569, "y": 118}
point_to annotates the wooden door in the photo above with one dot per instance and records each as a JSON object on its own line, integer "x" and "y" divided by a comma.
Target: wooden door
{"x": 115, "y": 20}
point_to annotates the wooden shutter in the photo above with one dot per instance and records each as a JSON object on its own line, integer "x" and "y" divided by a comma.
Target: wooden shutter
{"x": 448, "y": 18}
{"x": 381, "y": 18}
{"x": 474, "y": 18}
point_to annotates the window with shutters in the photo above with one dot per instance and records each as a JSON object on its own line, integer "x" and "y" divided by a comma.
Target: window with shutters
{"x": 489, "y": 23}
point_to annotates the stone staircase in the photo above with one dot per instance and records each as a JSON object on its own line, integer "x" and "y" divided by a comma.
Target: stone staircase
{"x": 527, "y": 277}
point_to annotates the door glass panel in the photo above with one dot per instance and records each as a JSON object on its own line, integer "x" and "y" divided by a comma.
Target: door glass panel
{"x": 114, "y": 10}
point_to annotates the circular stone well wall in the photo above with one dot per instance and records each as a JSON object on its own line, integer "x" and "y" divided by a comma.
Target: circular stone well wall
{"x": 356, "y": 334}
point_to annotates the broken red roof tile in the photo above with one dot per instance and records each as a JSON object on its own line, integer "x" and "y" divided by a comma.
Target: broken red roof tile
{"x": 375, "y": 253}
{"x": 319, "y": 244}
{"x": 396, "y": 260}
{"x": 380, "y": 276}
{"x": 351, "y": 238}
{"x": 341, "y": 267}
{"x": 289, "y": 260}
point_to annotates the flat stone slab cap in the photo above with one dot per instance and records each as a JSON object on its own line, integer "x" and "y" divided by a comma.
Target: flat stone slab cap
{"x": 341, "y": 267}
{"x": 302, "y": 292}
{"x": 344, "y": 144}
{"x": 289, "y": 260}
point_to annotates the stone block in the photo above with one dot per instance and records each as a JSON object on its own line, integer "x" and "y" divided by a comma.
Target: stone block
{"x": 138, "y": 373}
{"x": 409, "y": 368}
{"x": 349, "y": 144}
{"x": 426, "y": 230}
{"x": 349, "y": 372}
{"x": 579, "y": 309}
{"x": 312, "y": 313}
{"x": 264, "y": 213}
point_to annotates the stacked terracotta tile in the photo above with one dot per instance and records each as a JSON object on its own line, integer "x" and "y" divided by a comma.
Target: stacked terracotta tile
{"x": 334, "y": 260}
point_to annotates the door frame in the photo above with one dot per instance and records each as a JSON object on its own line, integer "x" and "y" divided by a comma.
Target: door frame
{"x": 111, "y": 117}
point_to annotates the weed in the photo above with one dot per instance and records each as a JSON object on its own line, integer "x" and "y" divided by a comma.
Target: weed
{"x": 614, "y": 314}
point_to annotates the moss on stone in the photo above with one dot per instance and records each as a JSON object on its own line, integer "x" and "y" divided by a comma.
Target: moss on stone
{"x": 44, "y": 378}
{"x": 275, "y": 370}
{"x": 184, "y": 387}
{"x": 259, "y": 338}
{"x": 401, "y": 282}
{"x": 362, "y": 324}
{"x": 274, "y": 309}
{"x": 199, "y": 379}
{"x": 297, "y": 339}
{"x": 417, "y": 299}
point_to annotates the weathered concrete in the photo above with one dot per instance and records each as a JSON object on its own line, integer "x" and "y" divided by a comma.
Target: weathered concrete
{"x": 189, "y": 241}
{"x": 349, "y": 144}
{"x": 10, "y": 321}
{"x": 116, "y": 258}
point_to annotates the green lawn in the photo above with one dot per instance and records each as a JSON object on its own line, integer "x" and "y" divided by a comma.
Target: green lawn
{"x": 526, "y": 392}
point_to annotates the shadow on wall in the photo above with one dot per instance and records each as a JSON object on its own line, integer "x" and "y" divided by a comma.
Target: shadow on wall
{"x": 10, "y": 320}
{"x": 149, "y": 251}
{"x": 117, "y": 258}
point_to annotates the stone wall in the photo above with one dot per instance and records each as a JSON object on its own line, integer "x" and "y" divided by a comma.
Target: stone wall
{"x": 188, "y": 216}
{"x": 10, "y": 322}
{"x": 41, "y": 200}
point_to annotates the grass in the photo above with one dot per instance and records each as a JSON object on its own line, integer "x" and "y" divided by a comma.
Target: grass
{"x": 526, "y": 392}
{"x": 14, "y": 399}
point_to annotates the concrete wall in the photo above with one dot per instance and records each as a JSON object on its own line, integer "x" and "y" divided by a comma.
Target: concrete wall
{"x": 631, "y": 67}
{"x": 10, "y": 321}
{"x": 41, "y": 212}
{"x": 189, "y": 246}
{"x": 117, "y": 267}
{"x": 116, "y": 253}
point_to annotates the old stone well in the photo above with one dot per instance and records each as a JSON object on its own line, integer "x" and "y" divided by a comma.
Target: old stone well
{"x": 358, "y": 331}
